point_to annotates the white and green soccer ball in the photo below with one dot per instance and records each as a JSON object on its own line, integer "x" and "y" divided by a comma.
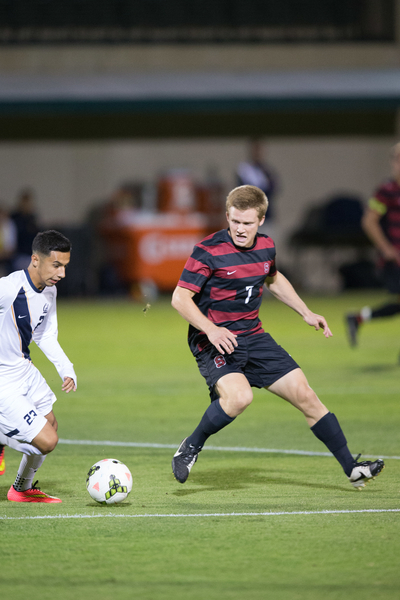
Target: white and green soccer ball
{"x": 109, "y": 481}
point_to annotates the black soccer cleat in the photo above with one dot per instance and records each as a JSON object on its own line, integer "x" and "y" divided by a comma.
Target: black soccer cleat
{"x": 352, "y": 325}
{"x": 365, "y": 471}
{"x": 183, "y": 461}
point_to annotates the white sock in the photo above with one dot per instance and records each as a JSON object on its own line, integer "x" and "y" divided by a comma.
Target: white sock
{"x": 366, "y": 313}
{"x": 27, "y": 470}
{"x": 23, "y": 447}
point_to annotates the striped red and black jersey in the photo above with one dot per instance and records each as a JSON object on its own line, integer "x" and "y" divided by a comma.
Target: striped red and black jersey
{"x": 386, "y": 200}
{"x": 228, "y": 283}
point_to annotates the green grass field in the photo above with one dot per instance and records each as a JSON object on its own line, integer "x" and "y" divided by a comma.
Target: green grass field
{"x": 247, "y": 524}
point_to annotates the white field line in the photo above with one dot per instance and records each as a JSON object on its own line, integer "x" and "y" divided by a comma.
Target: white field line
{"x": 208, "y": 515}
{"x": 216, "y": 448}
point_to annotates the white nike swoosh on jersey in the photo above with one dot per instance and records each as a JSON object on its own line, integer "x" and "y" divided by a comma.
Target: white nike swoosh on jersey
{"x": 231, "y": 272}
{"x": 22, "y": 316}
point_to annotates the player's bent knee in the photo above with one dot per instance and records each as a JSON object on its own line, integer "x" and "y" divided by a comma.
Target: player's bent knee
{"x": 236, "y": 403}
{"x": 243, "y": 400}
{"x": 46, "y": 441}
{"x": 47, "y": 446}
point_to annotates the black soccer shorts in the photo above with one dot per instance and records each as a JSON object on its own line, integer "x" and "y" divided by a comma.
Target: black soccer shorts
{"x": 391, "y": 277}
{"x": 257, "y": 356}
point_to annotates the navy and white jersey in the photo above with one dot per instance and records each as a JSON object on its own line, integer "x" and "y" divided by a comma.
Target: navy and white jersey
{"x": 228, "y": 283}
{"x": 26, "y": 314}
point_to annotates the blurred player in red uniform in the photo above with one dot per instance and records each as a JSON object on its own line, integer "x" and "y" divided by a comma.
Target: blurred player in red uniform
{"x": 381, "y": 223}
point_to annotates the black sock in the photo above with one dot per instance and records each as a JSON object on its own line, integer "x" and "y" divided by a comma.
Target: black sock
{"x": 387, "y": 310}
{"x": 328, "y": 431}
{"x": 214, "y": 419}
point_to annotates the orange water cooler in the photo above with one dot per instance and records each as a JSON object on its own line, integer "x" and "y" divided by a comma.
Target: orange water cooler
{"x": 153, "y": 249}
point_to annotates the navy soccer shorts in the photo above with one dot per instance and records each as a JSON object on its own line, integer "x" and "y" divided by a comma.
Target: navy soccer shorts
{"x": 256, "y": 356}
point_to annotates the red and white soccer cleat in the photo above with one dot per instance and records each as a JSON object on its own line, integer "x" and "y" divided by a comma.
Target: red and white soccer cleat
{"x": 34, "y": 494}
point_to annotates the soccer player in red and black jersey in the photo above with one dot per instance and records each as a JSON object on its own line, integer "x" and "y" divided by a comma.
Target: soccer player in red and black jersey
{"x": 219, "y": 294}
{"x": 381, "y": 223}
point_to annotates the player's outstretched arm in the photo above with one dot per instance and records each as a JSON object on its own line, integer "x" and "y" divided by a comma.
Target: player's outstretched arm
{"x": 283, "y": 290}
{"x": 223, "y": 339}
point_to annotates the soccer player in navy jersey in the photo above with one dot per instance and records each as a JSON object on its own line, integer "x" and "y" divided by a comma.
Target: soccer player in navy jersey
{"x": 219, "y": 294}
{"x": 381, "y": 223}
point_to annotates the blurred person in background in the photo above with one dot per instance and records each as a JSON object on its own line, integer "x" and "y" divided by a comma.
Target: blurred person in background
{"x": 8, "y": 241}
{"x": 117, "y": 209}
{"x": 256, "y": 171}
{"x": 25, "y": 219}
{"x": 381, "y": 223}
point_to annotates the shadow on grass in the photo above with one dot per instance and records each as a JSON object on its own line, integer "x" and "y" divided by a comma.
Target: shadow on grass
{"x": 239, "y": 479}
{"x": 380, "y": 368}
{"x": 117, "y": 506}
